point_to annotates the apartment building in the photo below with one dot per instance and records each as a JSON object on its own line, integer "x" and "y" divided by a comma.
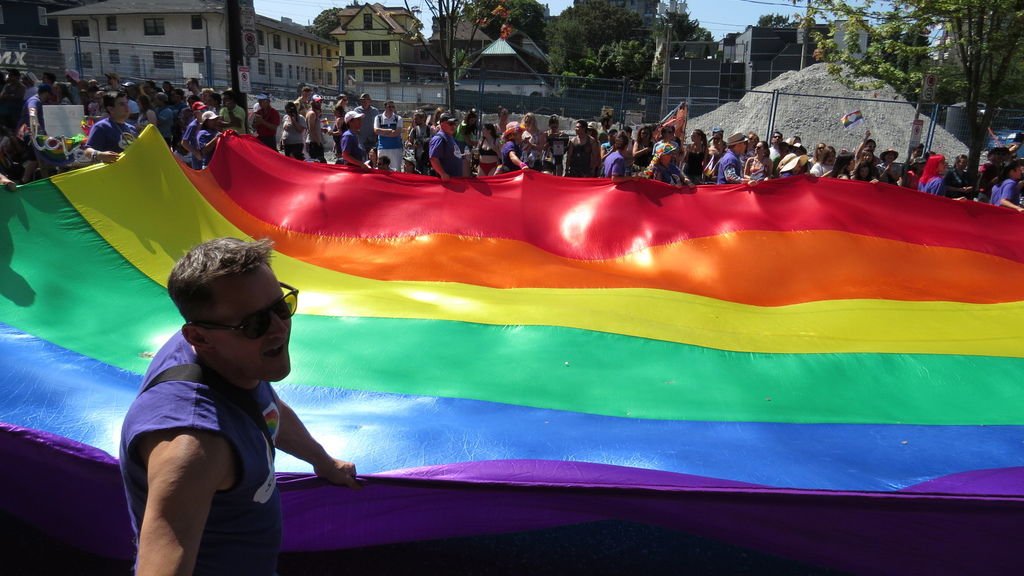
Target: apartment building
{"x": 161, "y": 40}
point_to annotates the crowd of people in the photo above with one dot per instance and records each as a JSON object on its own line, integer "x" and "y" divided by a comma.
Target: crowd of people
{"x": 437, "y": 142}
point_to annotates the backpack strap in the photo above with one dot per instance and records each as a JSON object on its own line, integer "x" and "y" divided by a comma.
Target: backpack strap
{"x": 237, "y": 396}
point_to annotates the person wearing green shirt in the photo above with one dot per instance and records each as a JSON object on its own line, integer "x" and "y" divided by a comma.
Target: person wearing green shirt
{"x": 465, "y": 136}
{"x": 233, "y": 114}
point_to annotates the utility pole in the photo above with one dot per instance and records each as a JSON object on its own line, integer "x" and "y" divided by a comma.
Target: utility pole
{"x": 235, "y": 53}
{"x": 666, "y": 11}
{"x": 805, "y": 32}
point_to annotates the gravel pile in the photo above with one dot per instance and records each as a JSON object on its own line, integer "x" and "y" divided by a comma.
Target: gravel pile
{"x": 815, "y": 117}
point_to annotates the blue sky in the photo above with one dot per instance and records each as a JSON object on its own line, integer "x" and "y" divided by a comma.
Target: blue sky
{"x": 718, "y": 16}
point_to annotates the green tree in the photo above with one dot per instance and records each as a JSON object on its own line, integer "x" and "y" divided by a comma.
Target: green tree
{"x": 975, "y": 43}
{"x": 325, "y": 22}
{"x": 778, "y": 20}
{"x": 576, "y": 36}
{"x": 449, "y": 15}
{"x": 527, "y": 16}
{"x": 686, "y": 29}
{"x": 620, "y": 59}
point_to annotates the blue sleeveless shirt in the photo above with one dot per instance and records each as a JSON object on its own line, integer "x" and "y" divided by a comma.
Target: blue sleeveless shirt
{"x": 243, "y": 530}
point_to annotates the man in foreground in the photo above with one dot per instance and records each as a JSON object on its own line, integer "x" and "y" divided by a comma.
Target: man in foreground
{"x": 197, "y": 445}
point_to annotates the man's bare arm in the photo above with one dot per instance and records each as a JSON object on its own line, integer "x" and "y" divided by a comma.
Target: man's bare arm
{"x": 295, "y": 439}
{"x": 184, "y": 470}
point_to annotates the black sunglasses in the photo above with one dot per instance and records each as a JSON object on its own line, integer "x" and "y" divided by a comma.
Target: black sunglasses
{"x": 255, "y": 325}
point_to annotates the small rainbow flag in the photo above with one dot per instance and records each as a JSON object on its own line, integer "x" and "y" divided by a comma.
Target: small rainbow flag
{"x": 852, "y": 119}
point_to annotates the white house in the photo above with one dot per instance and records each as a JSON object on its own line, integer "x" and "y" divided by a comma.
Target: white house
{"x": 174, "y": 40}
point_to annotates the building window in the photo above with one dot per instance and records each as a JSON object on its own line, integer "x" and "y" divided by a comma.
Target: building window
{"x": 290, "y": 71}
{"x": 319, "y": 50}
{"x": 261, "y": 67}
{"x": 289, "y": 44}
{"x": 367, "y": 21}
{"x": 197, "y": 21}
{"x": 163, "y": 60}
{"x": 2, "y": 14}
{"x": 259, "y": 37}
{"x": 330, "y": 78}
{"x": 370, "y": 75}
{"x": 304, "y": 48}
{"x": 86, "y": 59}
{"x": 199, "y": 55}
{"x": 350, "y": 48}
{"x": 278, "y": 69}
{"x": 112, "y": 23}
{"x": 115, "y": 56}
{"x": 43, "y": 21}
{"x": 153, "y": 26}
{"x": 277, "y": 41}
{"x": 376, "y": 48}
{"x": 80, "y": 28}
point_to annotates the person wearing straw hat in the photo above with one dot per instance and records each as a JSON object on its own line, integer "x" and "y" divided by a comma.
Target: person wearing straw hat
{"x": 730, "y": 168}
{"x": 792, "y": 165}
{"x": 887, "y": 167}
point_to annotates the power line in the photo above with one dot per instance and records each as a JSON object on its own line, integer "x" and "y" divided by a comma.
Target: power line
{"x": 780, "y": 4}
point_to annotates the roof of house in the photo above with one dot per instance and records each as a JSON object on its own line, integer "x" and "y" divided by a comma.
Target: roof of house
{"x": 464, "y": 31}
{"x": 499, "y": 48}
{"x": 144, "y": 7}
{"x": 385, "y": 13}
{"x": 528, "y": 46}
{"x": 291, "y": 28}
{"x": 181, "y": 7}
{"x": 56, "y": 3}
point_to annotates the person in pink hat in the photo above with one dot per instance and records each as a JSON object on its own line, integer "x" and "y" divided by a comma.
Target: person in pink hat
{"x": 511, "y": 152}
{"x": 74, "y": 90}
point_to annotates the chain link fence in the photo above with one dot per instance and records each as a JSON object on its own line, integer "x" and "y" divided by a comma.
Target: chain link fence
{"x": 415, "y": 86}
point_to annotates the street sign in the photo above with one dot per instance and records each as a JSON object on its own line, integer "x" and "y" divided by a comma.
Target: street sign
{"x": 928, "y": 86}
{"x": 244, "y": 82}
{"x": 916, "y": 128}
{"x": 248, "y": 14}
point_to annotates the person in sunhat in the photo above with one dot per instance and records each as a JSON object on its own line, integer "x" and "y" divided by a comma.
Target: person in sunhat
{"x": 887, "y": 171}
{"x": 792, "y": 165}
{"x": 209, "y": 135}
{"x": 730, "y": 168}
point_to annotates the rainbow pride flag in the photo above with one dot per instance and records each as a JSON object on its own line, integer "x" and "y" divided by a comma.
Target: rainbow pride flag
{"x": 852, "y": 119}
{"x": 826, "y": 370}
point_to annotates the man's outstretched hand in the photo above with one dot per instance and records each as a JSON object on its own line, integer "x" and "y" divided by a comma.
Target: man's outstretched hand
{"x": 338, "y": 472}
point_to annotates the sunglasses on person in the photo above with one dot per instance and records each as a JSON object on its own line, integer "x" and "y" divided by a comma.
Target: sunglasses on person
{"x": 255, "y": 325}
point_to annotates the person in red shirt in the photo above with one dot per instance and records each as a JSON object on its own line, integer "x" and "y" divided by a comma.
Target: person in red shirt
{"x": 266, "y": 120}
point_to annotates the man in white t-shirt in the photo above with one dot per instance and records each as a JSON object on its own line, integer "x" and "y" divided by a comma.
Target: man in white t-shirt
{"x": 388, "y": 128}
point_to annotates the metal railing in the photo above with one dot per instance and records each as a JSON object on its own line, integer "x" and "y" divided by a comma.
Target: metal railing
{"x": 420, "y": 85}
